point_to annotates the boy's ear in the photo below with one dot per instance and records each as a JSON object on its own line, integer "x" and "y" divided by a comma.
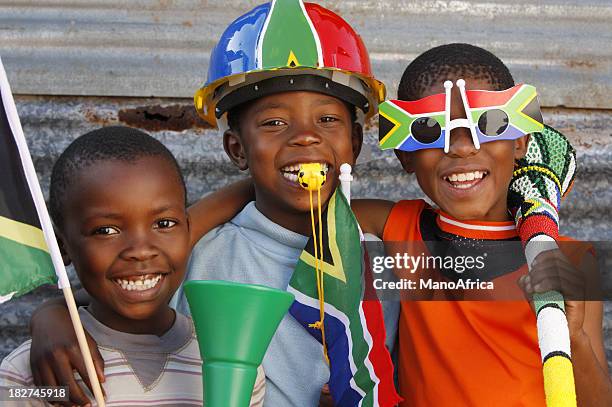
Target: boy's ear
{"x": 520, "y": 146}
{"x": 62, "y": 247}
{"x": 406, "y": 159}
{"x": 232, "y": 144}
{"x": 357, "y": 140}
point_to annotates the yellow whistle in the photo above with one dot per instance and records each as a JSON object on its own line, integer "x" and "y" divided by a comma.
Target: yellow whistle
{"x": 311, "y": 176}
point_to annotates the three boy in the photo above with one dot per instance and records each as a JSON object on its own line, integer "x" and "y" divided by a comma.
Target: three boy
{"x": 302, "y": 121}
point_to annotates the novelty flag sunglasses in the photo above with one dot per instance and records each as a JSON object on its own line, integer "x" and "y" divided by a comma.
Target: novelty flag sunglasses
{"x": 491, "y": 116}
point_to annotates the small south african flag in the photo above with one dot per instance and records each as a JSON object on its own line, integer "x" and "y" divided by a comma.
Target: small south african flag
{"x": 25, "y": 262}
{"x": 361, "y": 371}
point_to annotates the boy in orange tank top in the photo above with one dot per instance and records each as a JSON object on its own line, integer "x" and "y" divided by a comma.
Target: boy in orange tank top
{"x": 477, "y": 353}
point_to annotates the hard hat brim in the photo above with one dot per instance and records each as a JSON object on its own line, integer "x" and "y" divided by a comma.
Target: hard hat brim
{"x": 216, "y": 98}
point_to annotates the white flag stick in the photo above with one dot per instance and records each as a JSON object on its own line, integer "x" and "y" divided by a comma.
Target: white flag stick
{"x": 47, "y": 227}
{"x": 345, "y": 180}
{"x": 345, "y": 183}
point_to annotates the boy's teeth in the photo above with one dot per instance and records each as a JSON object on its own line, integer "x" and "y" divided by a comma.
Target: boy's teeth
{"x": 140, "y": 284}
{"x": 462, "y": 186}
{"x": 290, "y": 176}
{"x": 465, "y": 176}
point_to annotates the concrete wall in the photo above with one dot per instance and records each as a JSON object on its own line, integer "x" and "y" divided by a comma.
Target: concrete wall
{"x": 76, "y": 65}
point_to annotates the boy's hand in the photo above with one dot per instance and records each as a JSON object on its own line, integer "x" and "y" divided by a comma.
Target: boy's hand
{"x": 552, "y": 271}
{"x": 55, "y": 354}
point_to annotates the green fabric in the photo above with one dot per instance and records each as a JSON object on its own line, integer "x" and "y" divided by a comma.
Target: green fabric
{"x": 23, "y": 268}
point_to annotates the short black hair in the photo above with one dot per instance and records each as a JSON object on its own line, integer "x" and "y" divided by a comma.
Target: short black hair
{"x": 234, "y": 116}
{"x": 113, "y": 143}
{"x": 460, "y": 60}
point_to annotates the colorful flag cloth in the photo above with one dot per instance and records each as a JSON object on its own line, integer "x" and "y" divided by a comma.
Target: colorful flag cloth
{"x": 361, "y": 371}
{"x": 25, "y": 262}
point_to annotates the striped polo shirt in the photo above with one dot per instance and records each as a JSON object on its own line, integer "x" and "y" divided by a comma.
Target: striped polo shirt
{"x": 140, "y": 370}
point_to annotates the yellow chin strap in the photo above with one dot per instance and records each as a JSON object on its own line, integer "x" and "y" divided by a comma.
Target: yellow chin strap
{"x": 312, "y": 177}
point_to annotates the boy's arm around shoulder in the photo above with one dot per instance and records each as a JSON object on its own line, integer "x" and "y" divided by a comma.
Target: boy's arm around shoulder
{"x": 219, "y": 207}
{"x": 372, "y": 214}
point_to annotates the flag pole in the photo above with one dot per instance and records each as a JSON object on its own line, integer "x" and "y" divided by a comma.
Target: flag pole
{"x": 60, "y": 270}
{"x": 345, "y": 180}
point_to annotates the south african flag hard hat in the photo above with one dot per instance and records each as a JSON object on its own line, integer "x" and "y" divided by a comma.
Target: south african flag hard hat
{"x": 288, "y": 45}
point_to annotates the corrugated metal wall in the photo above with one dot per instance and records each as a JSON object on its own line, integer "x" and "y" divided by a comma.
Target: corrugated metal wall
{"x": 161, "y": 48}
{"x": 76, "y": 65}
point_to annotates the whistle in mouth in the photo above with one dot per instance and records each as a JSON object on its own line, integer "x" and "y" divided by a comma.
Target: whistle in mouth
{"x": 311, "y": 176}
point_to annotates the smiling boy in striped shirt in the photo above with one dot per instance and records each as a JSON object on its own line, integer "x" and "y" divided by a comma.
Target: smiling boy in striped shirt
{"x": 118, "y": 201}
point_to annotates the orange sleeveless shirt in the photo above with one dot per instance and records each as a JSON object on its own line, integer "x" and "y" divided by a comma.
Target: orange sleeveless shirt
{"x": 466, "y": 353}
